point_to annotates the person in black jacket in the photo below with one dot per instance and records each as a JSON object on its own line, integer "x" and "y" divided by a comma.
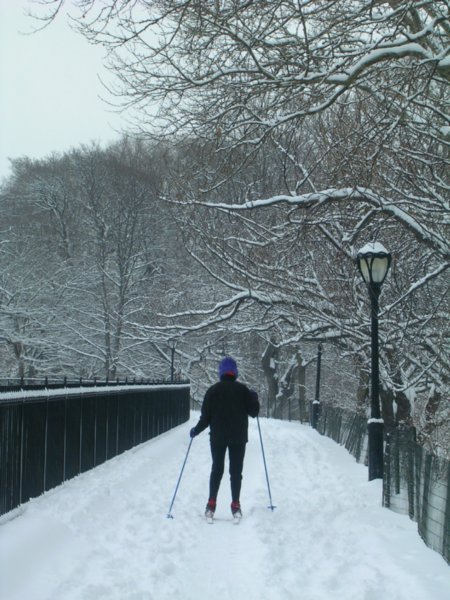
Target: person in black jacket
{"x": 225, "y": 409}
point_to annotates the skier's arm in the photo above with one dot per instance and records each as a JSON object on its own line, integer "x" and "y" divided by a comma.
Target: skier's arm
{"x": 253, "y": 404}
{"x": 205, "y": 417}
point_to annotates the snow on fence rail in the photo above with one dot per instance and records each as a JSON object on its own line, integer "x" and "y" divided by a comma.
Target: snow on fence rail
{"x": 415, "y": 482}
{"x": 47, "y": 383}
{"x": 49, "y": 434}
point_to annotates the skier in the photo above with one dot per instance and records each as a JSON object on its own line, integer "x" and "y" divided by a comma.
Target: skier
{"x": 225, "y": 410}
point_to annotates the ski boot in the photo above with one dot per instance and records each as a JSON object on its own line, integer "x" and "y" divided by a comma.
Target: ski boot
{"x": 210, "y": 510}
{"x": 236, "y": 511}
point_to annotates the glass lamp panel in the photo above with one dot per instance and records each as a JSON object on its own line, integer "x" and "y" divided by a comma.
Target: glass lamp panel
{"x": 364, "y": 268}
{"x": 379, "y": 268}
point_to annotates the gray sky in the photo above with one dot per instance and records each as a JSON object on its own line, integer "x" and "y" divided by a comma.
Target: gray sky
{"x": 49, "y": 89}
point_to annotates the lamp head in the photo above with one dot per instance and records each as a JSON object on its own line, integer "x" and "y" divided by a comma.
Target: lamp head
{"x": 373, "y": 263}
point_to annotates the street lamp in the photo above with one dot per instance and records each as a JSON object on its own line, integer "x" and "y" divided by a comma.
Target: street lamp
{"x": 172, "y": 346}
{"x": 316, "y": 403}
{"x": 373, "y": 262}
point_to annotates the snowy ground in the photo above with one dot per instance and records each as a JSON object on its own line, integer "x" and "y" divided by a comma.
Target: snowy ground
{"x": 105, "y": 535}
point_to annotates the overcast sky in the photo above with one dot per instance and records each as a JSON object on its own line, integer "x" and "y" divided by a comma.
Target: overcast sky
{"x": 49, "y": 89}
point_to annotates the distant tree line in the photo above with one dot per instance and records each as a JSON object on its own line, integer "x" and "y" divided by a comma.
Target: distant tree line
{"x": 287, "y": 136}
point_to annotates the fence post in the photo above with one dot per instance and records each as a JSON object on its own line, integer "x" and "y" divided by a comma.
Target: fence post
{"x": 411, "y": 470}
{"x": 80, "y": 435}
{"x": 387, "y": 472}
{"x": 423, "y": 521}
{"x": 65, "y": 439}
{"x": 398, "y": 438}
{"x": 45, "y": 445}
{"x": 446, "y": 537}
{"x": 22, "y": 418}
{"x": 418, "y": 460}
{"x": 316, "y": 403}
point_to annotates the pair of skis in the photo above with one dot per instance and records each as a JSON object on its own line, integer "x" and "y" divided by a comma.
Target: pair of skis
{"x": 236, "y": 518}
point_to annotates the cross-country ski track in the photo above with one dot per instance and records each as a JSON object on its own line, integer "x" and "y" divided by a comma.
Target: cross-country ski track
{"x": 105, "y": 535}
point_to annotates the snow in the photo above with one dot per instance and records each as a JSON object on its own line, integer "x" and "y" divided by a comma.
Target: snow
{"x": 373, "y": 248}
{"x": 105, "y": 535}
{"x": 80, "y": 391}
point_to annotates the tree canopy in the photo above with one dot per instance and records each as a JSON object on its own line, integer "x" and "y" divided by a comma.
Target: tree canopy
{"x": 300, "y": 131}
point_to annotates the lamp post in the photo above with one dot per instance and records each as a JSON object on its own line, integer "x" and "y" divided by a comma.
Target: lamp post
{"x": 373, "y": 262}
{"x": 173, "y": 345}
{"x": 316, "y": 403}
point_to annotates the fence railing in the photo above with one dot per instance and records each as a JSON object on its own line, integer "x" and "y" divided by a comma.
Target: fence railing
{"x": 415, "y": 482}
{"x": 346, "y": 428}
{"x": 50, "y": 435}
{"x": 41, "y": 383}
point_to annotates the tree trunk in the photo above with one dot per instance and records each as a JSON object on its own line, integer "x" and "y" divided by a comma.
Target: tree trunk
{"x": 268, "y": 363}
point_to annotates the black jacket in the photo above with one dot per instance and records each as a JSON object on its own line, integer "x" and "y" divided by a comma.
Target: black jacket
{"x": 225, "y": 410}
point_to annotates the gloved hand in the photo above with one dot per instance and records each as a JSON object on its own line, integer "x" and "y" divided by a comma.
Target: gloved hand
{"x": 192, "y": 432}
{"x": 255, "y": 407}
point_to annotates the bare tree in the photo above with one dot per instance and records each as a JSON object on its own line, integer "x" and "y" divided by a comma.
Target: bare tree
{"x": 350, "y": 99}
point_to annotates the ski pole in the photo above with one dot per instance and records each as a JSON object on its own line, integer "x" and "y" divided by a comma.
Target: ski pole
{"x": 265, "y": 466}
{"x": 169, "y": 514}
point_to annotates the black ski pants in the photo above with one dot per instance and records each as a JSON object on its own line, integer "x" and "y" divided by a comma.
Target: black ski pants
{"x": 236, "y": 453}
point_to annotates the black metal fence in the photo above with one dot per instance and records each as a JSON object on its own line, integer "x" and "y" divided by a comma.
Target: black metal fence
{"x": 346, "y": 428}
{"x": 417, "y": 483}
{"x": 50, "y": 435}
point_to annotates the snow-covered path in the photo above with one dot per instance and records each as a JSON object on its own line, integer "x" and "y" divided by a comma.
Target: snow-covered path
{"x": 104, "y": 535}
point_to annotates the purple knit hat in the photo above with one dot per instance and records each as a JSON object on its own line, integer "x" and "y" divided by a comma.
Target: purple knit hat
{"x": 227, "y": 366}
